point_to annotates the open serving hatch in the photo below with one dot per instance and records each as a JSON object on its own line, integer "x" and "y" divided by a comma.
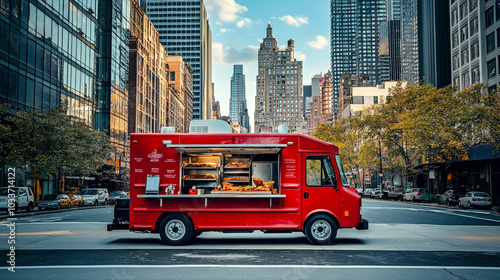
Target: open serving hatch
{"x": 227, "y": 148}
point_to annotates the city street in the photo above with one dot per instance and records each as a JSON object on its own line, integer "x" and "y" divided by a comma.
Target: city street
{"x": 413, "y": 240}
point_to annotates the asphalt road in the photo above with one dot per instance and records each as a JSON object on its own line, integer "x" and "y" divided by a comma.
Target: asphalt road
{"x": 405, "y": 241}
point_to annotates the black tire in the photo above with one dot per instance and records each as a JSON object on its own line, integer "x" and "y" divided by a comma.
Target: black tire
{"x": 95, "y": 203}
{"x": 58, "y": 206}
{"x": 176, "y": 229}
{"x": 320, "y": 230}
{"x": 30, "y": 207}
{"x": 80, "y": 204}
{"x": 468, "y": 205}
{"x": 105, "y": 202}
{"x": 69, "y": 205}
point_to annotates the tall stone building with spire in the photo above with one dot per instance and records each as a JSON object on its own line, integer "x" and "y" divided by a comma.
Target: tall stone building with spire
{"x": 279, "y": 87}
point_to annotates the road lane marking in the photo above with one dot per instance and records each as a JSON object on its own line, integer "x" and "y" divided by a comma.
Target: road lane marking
{"x": 467, "y": 216}
{"x": 59, "y": 232}
{"x": 258, "y": 266}
{"x": 61, "y": 223}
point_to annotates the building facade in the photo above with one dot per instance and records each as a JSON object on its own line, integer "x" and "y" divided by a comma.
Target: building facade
{"x": 71, "y": 51}
{"x": 354, "y": 39}
{"x": 148, "y": 85}
{"x": 475, "y": 42}
{"x": 425, "y": 42}
{"x": 238, "y": 111}
{"x": 279, "y": 87}
{"x": 348, "y": 81}
{"x": 184, "y": 30}
{"x": 181, "y": 88}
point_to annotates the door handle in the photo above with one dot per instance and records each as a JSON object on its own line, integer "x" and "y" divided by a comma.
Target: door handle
{"x": 306, "y": 195}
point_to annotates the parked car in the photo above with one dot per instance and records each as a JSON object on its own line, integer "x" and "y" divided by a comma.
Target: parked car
{"x": 360, "y": 191}
{"x": 76, "y": 200}
{"x": 22, "y": 197}
{"x": 54, "y": 201}
{"x": 475, "y": 199}
{"x": 367, "y": 192}
{"x": 94, "y": 196}
{"x": 116, "y": 194}
{"x": 376, "y": 193}
{"x": 450, "y": 197}
{"x": 394, "y": 192}
{"x": 416, "y": 194}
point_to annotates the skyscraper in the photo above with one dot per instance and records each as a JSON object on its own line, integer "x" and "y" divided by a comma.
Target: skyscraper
{"x": 238, "y": 111}
{"x": 354, "y": 37}
{"x": 279, "y": 87}
{"x": 425, "y": 42}
{"x": 184, "y": 30}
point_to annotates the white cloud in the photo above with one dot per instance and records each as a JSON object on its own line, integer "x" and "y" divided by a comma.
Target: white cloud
{"x": 227, "y": 10}
{"x": 294, "y": 21}
{"x": 223, "y": 30}
{"x": 244, "y": 22}
{"x": 300, "y": 56}
{"x": 320, "y": 43}
{"x": 229, "y": 55}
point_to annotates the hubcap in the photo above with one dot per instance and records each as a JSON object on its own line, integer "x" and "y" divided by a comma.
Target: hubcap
{"x": 175, "y": 229}
{"x": 321, "y": 230}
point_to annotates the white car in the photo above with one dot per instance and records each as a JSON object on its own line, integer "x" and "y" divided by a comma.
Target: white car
{"x": 376, "y": 193}
{"x": 415, "y": 194}
{"x": 475, "y": 199}
{"x": 16, "y": 198}
{"x": 94, "y": 196}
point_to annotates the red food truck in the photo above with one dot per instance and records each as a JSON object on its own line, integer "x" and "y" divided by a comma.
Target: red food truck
{"x": 182, "y": 184}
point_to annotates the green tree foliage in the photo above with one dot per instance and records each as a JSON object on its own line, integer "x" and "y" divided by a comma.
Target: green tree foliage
{"x": 417, "y": 121}
{"x": 49, "y": 143}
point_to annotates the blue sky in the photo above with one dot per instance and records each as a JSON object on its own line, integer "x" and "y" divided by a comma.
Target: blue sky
{"x": 238, "y": 27}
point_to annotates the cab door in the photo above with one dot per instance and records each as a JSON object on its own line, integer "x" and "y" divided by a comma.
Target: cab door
{"x": 320, "y": 192}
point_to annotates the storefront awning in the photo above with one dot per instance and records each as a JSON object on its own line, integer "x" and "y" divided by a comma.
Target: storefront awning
{"x": 227, "y": 148}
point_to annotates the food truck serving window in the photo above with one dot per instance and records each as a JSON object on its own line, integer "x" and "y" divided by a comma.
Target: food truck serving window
{"x": 319, "y": 171}
{"x": 343, "y": 178}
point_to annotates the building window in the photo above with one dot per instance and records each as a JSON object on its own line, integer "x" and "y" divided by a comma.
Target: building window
{"x": 463, "y": 33}
{"x": 454, "y": 17}
{"x": 472, "y": 4}
{"x": 465, "y": 56}
{"x": 475, "y": 75}
{"x": 497, "y": 4}
{"x": 463, "y": 10}
{"x": 474, "y": 51}
{"x": 489, "y": 18}
{"x": 474, "y": 26}
{"x": 455, "y": 39}
{"x": 490, "y": 42}
{"x": 492, "y": 68}
{"x": 172, "y": 76}
{"x": 456, "y": 81}
{"x": 455, "y": 62}
{"x": 465, "y": 79}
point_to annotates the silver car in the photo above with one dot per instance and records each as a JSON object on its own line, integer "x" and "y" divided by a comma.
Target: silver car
{"x": 475, "y": 199}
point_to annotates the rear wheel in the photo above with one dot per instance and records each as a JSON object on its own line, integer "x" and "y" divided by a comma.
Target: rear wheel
{"x": 320, "y": 230}
{"x": 69, "y": 205}
{"x": 30, "y": 207}
{"x": 468, "y": 204}
{"x": 176, "y": 229}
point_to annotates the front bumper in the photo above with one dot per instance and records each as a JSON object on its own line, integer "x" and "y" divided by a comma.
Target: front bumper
{"x": 362, "y": 225}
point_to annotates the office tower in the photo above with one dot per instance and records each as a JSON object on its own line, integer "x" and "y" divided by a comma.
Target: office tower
{"x": 474, "y": 49}
{"x": 354, "y": 37}
{"x": 68, "y": 51}
{"x": 238, "y": 111}
{"x": 184, "y": 30}
{"x": 279, "y": 87}
{"x": 148, "y": 84}
{"x": 425, "y": 42}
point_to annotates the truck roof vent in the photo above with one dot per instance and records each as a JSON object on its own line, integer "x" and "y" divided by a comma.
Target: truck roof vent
{"x": 167, "y": 129}
{"x": 209, "y": 126}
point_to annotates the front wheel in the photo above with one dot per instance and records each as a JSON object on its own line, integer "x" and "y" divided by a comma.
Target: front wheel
{"x": 320, "y": 230}
{"x": 105, "y": 202}
{"x": 30, "y": 207}
{"x": 176, "y": 229}
{"x": 468, "y": 204}
{"x": 69, "y": 205}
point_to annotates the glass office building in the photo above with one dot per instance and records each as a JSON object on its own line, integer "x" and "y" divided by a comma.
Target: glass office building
{"x": 238, "y": 111}
{"x": 184, "y": 30}
{"x": 354, "y": 40}
{"x": 75, "y": 51}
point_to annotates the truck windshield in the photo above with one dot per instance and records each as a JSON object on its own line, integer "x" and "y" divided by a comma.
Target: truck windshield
{"x": 343, "y": 178}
